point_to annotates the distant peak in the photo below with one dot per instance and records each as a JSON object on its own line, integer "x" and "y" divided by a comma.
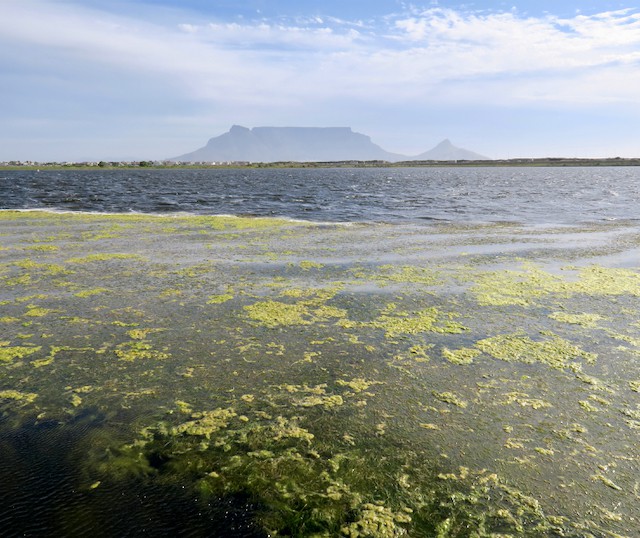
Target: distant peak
{"x": 446, "y": 143}
{"x": 238, "y": 129}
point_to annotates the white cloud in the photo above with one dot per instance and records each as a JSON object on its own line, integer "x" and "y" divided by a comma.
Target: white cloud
{"x": 416, "y": 59}
{"x": 222, "y": 61}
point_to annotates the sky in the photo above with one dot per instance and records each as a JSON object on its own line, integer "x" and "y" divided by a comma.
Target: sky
{"x": 153, "y": 79}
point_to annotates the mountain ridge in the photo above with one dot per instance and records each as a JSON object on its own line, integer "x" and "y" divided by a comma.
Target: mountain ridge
{"x": 309, "y": 144}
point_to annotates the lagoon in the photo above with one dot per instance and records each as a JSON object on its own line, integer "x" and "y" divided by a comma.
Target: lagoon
{"x": 199, "y": 375}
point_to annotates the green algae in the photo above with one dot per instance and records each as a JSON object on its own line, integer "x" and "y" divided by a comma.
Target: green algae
{"x": 311, "y": 309}
{"x": 91, "y": 292}
{"x": 219, "y": 299}
{"x": 358, "y": 384}
{"x": 276, "y": 313}
{"x": 45, "y": 268}
{"x": 531, "y": 284}
{"x": 206, "y": 423}
{"x": 422, "y": 321}
{"x": 377, "y": 520}
{"x": 450, "y": 398}
{"x": 555, "y": 352}
{"x": 14, "y": 395}
{"x": 463, "y": 355}
{"x": 8, "y": 354}
{"x": 307, "y": 265}
{"x": 139, "y": 350}
{"x": 584, "y": 320}
{"x": 43, "y": 248}
{"x": 103, "y": 257}
{"x": 402, "y": 274}
{"x": 327, "y": 401}
{"x": 524, "y": 400}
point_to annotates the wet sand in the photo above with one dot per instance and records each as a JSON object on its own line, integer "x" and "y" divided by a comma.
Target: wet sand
{"x": 250, "y": 377}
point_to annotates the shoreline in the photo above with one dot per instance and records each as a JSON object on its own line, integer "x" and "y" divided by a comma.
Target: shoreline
{"x": 163, "y": 165}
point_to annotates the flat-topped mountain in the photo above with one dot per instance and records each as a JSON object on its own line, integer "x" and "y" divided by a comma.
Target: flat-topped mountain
{"x": 307, "y": 144}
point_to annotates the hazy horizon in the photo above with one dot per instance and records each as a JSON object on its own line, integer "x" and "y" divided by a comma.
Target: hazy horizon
{"x": 151, "y": 79}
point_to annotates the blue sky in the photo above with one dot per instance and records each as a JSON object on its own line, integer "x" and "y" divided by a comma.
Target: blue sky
{"x": 152, "y": 79}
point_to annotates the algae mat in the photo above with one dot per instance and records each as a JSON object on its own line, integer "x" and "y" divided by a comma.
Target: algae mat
{"x": 210, "y": 376}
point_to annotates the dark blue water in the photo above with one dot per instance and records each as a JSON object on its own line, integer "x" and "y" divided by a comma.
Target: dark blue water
{"x": 525, "y": 195}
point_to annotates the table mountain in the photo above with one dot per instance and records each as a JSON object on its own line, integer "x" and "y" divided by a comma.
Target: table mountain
{"x": 306, "y": 144}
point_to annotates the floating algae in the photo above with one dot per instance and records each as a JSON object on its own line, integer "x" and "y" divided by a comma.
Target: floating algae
{"x": 311, "y": 309}
{"x": 585, "y": 320}
{"x": 463, "y": 355}
{"x": 10, "y": 353}
{"x": 422, "y": 321}
{"x": 25, "y": 397}
{"x": 555, "y": 352}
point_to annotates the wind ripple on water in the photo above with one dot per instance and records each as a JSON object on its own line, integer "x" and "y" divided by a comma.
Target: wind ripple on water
{"x": 483, "y": 194}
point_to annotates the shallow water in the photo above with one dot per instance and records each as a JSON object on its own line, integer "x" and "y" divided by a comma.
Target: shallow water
{"x": 206, "y": 376}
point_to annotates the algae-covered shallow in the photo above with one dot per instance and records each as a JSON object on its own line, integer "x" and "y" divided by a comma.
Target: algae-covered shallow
{"x": 212, "y": 376}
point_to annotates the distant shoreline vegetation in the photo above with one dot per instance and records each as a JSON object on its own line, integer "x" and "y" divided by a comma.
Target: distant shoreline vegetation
{"x": 549, "y": 161}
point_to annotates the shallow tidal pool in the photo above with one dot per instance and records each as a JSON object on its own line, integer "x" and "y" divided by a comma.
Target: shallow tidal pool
{"x": 220, "y": 376}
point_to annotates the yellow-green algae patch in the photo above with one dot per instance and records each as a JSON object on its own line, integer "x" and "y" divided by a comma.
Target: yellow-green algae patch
{"x": 275, "y": 313}
{"x": 91, "y": 292}
{"x": 25, "y": 397}
{"x": 463, "y": 355}
{"x": 427, "y": 320}
{"x": 358, "y": 384}
{"x": 310, "y": 309}
{"x": 555, "y": 352}
{"x": 531, "y": 284}
{"x": 43, "y": 248}
{"x": 103, "y": 257}
{"x": 45, "y": 268}
{"x": 402, "y": 274}
{"x": 37, "y": 311}
{"x": 450, "y": 398}
{"x": 206, "y": 423}
{"x": 584, "y": 320}
{"x": 219, "y": 299}
{"x": 138, "y": 349}
{"x": 308, "y": 264}
{"x": 10, "y": 353}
